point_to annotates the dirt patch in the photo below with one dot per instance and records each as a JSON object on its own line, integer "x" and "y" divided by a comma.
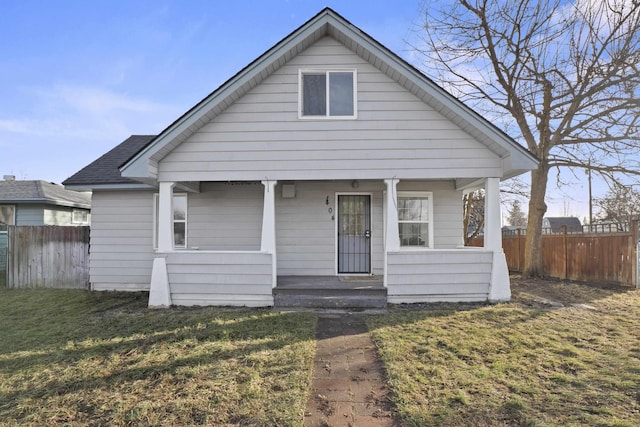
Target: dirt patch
{"x": 553, "y": 292}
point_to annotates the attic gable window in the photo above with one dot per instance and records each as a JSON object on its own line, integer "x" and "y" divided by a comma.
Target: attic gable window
{"x": 327, "y": 94}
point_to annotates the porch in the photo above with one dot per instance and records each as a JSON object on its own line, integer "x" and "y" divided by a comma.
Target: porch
{"x": 308, "y": 248}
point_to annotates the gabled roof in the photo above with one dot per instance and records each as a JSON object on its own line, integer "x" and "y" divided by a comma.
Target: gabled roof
{"x": 105, "y": 172}
{"x": 144, "y": 165}
{"x": 560, "y": 221}
{"x": 42, "y": 192}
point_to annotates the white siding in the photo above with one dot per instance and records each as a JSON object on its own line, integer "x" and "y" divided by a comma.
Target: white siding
{"x": 30, "y": 214}
{"x": 226, "y": 216}
{"x": 57, "y": 216}
{"x": 240, "y": 279}
{"x": 121, "y": 240}
{"x": 438, "y": 275}
{"x": 306, "y": 230}
{"x": 447, "y": 211}
{"x": 395, "y": 134}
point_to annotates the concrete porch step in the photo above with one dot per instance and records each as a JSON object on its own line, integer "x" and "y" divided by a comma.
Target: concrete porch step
{"x": 330, "y": 292}
{"x": 330, "y": 298}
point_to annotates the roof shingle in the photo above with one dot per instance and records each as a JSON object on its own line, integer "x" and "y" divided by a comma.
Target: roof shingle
{"x": 106, "y": 169}
{"x": 42, "y": 192}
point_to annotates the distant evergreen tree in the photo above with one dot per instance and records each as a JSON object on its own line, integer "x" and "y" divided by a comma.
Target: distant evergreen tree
{"x": 516, "y": 216}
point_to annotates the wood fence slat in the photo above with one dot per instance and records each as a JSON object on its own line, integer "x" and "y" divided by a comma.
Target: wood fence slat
{"x": 48, "y": 256}
{"x": 605, "y": 256}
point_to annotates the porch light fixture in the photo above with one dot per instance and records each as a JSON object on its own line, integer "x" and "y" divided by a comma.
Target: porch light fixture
{"x": 355, "y": 183}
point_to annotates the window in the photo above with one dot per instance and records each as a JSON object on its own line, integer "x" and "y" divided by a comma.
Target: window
{"x": 415, "y": 212}
{"x": 179, "y": 221}
{"x": 79, "y": 216}
{"x": 328, "y": 94}
{"x": 7, "y": 216}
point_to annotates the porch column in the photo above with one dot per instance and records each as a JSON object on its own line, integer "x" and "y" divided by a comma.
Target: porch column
{"x": 159, "y": 289}
{"x": 500, "y": 288}
{"x": 165, "y": 217}
{"x": 268, "y": 242}
{"x": 392, "y": 234}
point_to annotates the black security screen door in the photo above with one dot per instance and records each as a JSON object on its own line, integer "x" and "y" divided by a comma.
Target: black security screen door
{"x": 354, "y": 234}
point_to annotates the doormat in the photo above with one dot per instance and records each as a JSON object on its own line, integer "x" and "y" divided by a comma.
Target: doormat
{"x": 359, "y": 278}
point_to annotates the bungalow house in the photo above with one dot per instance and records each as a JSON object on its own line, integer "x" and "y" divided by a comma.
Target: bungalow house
{"x": 326, "y": 157}
{"x": 555, "y": 225}
{"x": 36, "y": 202}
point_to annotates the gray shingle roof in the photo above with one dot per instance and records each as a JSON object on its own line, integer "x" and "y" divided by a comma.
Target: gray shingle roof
{"x": 105, "y": 170}
{"x": 42, "y": 192}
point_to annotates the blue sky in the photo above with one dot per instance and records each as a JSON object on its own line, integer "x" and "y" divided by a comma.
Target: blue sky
{"x": 78, "y": 77}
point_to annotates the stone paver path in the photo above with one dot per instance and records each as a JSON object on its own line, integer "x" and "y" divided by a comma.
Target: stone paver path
{"x": 348, "y": 387}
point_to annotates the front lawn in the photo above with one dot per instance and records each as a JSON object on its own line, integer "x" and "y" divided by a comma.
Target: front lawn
{"x": 526, "y": 363}
{"x": 70, "y": 357}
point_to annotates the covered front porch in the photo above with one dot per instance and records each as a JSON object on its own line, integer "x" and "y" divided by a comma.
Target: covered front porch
{"x": 299, "y": 241}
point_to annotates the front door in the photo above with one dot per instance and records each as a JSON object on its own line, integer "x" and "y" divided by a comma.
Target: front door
{"x": 354, "y": 234}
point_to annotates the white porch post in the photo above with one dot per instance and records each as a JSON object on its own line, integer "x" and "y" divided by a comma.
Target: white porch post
{"x": 165, "y": 217}
{"x": 268, "y": 242}
{"x": 391, "y": 232}
{"x": 500, "y": 288}
{"x": 392, "y": 238}
{"x": 159, "y": 289}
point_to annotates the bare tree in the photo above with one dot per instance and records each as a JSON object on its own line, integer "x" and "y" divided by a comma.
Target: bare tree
{"x": 565, "y": 73}
{"x": 619, "y": 206}
{"x": 473, "y": 219}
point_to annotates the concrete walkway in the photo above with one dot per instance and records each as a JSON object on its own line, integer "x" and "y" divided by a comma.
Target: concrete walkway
{"x": 348, "y": 387}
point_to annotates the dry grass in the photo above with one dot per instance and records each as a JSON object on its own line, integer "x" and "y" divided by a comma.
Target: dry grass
{"x": 526, "y": 363}
{"x": 75, "y": 358}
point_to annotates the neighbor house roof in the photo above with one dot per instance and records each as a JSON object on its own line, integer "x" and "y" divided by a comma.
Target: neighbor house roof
{"x": 144, "y": 165}
{"x": 42, "y": 192}
{"x": 560, "y": 221}
{"x": 105, "y": 170}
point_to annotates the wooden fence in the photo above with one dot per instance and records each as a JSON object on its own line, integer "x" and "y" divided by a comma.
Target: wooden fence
{"x": 582, "y": 255}
{"x": 3, "y": 257}
{"x": 48, "y": 256}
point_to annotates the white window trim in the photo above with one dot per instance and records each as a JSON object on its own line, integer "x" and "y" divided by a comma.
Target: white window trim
{"x": 13, "y": 219}
{"x": 429, "y": 196}
{"x": 73, "y": 216}
{"x": 326, "y": 71}
{"x": 186, "y": 220}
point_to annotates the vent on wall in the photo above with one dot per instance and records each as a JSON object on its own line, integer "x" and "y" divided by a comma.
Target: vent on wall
{"x": 288, "y": 191}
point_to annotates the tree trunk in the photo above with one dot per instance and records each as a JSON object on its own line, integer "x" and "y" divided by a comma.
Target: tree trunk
{"x": 533, "y": 266}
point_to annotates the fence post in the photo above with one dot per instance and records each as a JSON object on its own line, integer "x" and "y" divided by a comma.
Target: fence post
{"x": 565, "y": 249}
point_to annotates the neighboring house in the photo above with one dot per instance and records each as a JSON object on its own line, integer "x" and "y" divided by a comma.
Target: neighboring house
{"x": 557, "y": 224}
{"x": 513, "y": 230}
{"x": 328, "y": 155}
{"x": 41, "y": 203}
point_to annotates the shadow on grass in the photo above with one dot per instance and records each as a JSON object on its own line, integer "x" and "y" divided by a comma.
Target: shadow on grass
{"x": 517, "y": 363}
{"x": 532, "y": 291}
{"x": 54, "y": 343}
